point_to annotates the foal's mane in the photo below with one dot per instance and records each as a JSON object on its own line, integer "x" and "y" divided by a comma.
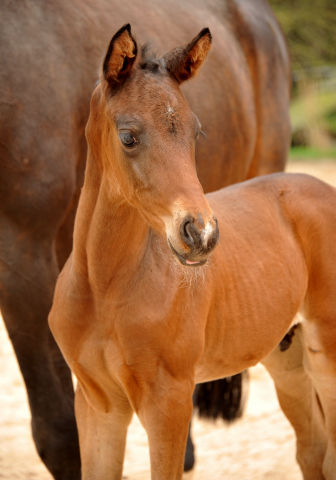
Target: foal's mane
{"x": 149, "y": 59}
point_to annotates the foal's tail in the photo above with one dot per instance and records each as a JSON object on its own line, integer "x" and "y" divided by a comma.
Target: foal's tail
{"x": 224, "y": 398}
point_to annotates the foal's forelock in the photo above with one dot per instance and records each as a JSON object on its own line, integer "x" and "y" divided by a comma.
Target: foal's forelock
{"x": 149, "y": 59}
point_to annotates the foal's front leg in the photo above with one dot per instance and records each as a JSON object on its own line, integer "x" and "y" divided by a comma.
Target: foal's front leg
{"x": 102, "y": 436}
{"x": 165, "y": 412}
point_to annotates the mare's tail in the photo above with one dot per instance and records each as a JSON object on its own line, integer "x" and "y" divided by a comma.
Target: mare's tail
{"x": 224, "y": 398}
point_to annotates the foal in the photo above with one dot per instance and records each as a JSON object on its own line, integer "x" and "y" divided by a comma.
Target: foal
{"x": 134, "y": 333}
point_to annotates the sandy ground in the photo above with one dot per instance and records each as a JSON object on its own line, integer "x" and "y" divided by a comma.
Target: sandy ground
{"x": 260, "y": 446}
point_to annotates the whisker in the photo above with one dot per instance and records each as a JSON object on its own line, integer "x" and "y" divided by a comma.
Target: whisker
{"x": 187, "y": 276}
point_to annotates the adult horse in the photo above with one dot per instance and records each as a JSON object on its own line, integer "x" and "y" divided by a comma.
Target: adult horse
{"x": 50, "y": 52}
{"x": 138, "y": 338}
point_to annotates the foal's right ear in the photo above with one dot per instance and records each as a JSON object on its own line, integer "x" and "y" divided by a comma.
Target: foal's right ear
{"x": 120, "y": 56}
{"x": 185, "y": 61}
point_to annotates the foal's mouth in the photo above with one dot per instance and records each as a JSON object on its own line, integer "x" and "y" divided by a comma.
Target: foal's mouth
{"x": 184, "y": 261}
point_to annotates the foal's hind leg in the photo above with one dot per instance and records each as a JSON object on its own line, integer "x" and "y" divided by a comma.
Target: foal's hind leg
{"x": 320, "y": 363}
{"x": 299, "y": 402}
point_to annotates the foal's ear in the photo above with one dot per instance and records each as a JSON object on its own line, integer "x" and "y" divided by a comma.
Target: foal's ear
{"x": 185, "y": 61}
{"x": 120, "y": 56}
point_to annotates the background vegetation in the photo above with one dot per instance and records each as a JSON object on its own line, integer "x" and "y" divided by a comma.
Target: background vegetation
{"x": 310, "y": 28}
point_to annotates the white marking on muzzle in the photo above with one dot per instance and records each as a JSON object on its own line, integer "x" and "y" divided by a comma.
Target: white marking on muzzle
{"x": 206, "y": 232}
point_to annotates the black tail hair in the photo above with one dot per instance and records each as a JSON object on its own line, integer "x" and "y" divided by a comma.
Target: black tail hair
{"x": 224, "y": 398}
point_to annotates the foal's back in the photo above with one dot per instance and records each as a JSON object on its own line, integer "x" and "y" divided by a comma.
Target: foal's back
{"x": 299, "y": 206}
{"x": 299, "y": 196}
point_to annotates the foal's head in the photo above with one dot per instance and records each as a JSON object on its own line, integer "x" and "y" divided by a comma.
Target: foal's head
{"x": 145, "y": 133}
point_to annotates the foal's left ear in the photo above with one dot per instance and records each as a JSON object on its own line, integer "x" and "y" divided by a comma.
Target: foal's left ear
{"x": 184, "y": 62}
{"x": 120, "y": 56}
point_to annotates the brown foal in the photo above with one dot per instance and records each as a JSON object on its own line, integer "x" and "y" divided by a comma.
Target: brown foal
{"x": 151, "y": 302}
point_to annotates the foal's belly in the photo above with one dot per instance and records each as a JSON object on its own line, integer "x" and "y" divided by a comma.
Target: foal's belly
{"x": 236, "y": 341}
{"x": 220, "y": 367}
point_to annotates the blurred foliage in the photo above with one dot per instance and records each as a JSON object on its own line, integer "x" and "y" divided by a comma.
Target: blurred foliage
{"x": 313, "y": 116}
{"x": 310, "y": 28}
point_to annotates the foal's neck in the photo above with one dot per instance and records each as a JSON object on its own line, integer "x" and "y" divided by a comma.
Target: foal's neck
{"x": 111, "y": 237}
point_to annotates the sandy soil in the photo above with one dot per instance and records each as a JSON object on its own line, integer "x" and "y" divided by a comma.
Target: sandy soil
{"x": 260, "y": 446}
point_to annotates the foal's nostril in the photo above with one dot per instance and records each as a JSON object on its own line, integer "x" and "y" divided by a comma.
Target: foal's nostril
{"x": 187, "y": 232}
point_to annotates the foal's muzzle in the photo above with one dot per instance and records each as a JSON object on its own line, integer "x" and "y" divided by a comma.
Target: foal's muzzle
{"x": 199, "y": 239}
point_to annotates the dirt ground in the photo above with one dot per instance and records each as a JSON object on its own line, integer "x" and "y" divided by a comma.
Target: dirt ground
{"x": 260, "y": 446}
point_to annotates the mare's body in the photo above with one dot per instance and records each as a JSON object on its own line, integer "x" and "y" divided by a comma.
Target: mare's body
{"x": 50, "y": 52}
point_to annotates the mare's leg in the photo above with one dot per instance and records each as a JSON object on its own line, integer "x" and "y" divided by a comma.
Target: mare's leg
{"x": 300, "y": 403}
{"x": 102, "y": 436}
{"x": 28, "y": 272}
{"x": 222, "y": 398}
{"x": 189, "y": 459}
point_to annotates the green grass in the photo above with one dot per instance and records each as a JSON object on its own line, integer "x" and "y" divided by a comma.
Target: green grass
{"x": 309, "y": 153}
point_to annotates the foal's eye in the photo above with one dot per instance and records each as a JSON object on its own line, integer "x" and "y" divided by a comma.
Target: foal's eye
{"x": 128, "y": 139}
